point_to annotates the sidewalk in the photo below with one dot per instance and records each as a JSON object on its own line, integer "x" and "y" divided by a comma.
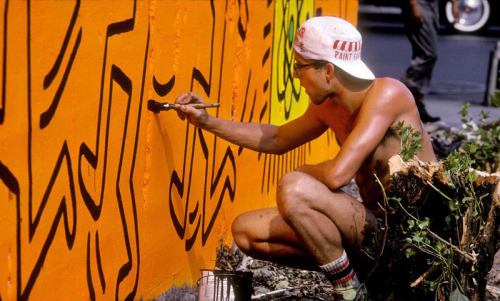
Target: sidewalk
{"x": 449, "y": 110}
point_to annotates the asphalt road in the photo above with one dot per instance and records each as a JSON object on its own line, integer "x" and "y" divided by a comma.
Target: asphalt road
{"x": 460, "y": 74}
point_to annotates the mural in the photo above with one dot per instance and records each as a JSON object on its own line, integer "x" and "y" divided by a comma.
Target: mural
{"x": 105, "y": 199}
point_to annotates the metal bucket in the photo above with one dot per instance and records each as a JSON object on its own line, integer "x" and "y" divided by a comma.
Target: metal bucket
{"x": 218, "y": 285}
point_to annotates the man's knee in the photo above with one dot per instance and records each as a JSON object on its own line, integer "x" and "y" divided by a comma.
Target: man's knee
{"x": 239, "y": 229}
{"x": 292, "y": 193}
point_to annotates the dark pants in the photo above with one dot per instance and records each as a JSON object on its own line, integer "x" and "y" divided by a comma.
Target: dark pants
{"x": 423, "y": 39}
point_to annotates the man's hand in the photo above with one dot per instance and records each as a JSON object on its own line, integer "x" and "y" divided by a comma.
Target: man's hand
{"x": 196, "y": 117}
{"x": 456, "y": 12}
{"x": 416, "y": 15}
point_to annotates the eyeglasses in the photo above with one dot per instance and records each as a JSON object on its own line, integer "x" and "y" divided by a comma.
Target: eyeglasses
{"x": 297, "y": 67}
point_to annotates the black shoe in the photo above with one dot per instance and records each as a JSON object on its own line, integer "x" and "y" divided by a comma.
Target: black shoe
{"x": 424, "y": 115}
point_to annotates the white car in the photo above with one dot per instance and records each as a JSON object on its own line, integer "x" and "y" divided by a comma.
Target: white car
{"x": 475, "y": 15}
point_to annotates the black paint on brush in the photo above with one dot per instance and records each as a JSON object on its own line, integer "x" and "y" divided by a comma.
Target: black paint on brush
{"x": 154, "y": 106}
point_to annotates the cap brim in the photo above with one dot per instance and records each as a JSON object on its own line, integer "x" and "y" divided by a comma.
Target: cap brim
{"x": 357, "y": 69}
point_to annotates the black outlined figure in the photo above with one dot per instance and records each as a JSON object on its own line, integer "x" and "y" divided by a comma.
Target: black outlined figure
{"x": 130, "y": 237}
{"x": 92, "y": 157}
{"x": 130, "y": 227}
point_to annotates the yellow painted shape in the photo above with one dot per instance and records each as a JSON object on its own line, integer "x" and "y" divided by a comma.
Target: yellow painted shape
{"x": 288, "y": 98}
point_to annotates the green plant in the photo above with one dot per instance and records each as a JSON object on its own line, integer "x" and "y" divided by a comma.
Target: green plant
{"x": 495, "y": 99}
{"x": 411, "y": 141}
{"x": 482, "y": 140}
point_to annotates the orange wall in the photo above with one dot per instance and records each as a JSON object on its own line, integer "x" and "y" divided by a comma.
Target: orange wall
{"x": 102, "y": 199}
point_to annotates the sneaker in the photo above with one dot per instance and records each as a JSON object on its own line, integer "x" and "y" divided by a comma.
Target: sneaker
{"x": 352, "y": 294}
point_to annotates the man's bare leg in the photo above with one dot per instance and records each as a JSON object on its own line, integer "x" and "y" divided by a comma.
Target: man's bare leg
{"x": 312, "y": 224}
{"x": 329, "y": 223}
{"x": 310, "y": 229}
{"x": 326, "y": 221}
{"x": 264, "y": 234}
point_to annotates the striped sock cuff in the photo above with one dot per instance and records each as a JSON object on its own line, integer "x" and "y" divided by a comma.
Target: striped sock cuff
{"x": 340, "y": 272}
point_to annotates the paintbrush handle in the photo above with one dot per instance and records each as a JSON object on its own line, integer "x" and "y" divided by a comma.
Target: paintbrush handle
{"x": 199, "y": 105}
{"x": 156, "y": 107}
{"x": 177, "y": 106}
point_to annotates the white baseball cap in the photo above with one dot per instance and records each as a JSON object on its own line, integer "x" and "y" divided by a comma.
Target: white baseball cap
{"x": 334, "y": 40}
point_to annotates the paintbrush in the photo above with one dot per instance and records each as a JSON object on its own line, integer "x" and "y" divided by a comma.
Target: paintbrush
{"x": 156, "y": 107}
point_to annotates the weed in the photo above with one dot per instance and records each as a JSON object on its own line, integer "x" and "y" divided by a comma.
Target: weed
{"x": 411, "y": 141}
{"x": 482, "y": 142}
{"x": 495, "y": 99}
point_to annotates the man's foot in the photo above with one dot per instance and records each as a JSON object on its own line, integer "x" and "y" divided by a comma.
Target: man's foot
{"x": 356, "y": 294}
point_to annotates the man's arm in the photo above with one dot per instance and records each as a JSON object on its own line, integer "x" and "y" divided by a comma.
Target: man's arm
{"x": 255, "y": 136}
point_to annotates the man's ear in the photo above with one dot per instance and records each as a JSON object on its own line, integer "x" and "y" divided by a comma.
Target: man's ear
{"x": 330, "y": 70}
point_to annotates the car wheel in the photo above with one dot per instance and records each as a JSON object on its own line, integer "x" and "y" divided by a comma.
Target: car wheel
{"x": 474, "y": 15}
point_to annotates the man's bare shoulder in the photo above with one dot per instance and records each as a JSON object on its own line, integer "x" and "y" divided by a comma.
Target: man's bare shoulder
{"x": 388, "y": 95}
{"x": 387, "y": 102}
{"x": 389, "y": 89}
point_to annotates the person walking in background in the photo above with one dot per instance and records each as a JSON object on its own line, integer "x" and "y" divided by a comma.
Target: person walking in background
{"x": 421, "y": 20}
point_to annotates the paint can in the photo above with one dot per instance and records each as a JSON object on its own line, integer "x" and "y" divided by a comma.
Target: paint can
{"x": 219, "y": 285}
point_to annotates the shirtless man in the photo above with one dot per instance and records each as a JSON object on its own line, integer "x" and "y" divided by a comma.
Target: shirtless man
{"x": 315, "y": 224}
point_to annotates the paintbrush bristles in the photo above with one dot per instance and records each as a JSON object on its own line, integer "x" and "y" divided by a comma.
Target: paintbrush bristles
{"x": 154, "y": 106}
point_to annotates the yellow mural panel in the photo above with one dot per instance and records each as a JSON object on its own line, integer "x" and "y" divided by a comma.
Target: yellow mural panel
{"x": 104, "y": 200}
{"x": 289, "y": 99}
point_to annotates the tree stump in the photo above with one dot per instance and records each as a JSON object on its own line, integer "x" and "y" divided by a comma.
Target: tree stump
{"x": 441, "y": 233}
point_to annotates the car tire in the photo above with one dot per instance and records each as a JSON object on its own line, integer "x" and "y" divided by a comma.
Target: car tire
{"x": 474, "y": 15}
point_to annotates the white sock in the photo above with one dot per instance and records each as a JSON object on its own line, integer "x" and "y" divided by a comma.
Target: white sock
{"x": 340, "y": 273}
